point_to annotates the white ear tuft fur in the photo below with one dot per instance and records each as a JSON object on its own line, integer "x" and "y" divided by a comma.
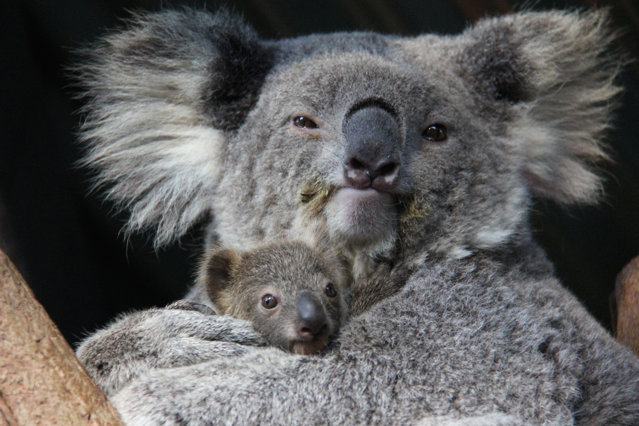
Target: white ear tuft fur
{"x": 566, "y": 72}
{"x": 149, "y": 129}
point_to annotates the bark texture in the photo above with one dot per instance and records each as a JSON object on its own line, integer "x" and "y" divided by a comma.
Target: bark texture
{"x": 41, "y": 380}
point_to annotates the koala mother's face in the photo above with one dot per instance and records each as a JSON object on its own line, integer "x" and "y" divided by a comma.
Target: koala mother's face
{"x": 347, "y": 139}
{"x": 326, "y": 152}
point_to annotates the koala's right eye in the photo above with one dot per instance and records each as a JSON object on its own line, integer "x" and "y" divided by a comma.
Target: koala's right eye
{"x": 304, "y": 122}
{"x": 435, "y": 133}
{"x": 330, "y": 290}
{"x": 269, "y": 301}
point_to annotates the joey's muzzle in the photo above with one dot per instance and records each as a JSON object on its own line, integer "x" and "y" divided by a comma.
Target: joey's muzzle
{"x": 311, "y": 316}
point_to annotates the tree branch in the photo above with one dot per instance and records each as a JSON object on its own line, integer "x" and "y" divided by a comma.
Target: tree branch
{"x": 41, "y": 380}
{"x": 627, "y": 298}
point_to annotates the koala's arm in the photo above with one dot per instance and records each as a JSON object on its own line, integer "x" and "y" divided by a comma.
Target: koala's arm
{"x": 558, "y": 366}
{"x": 610, "y": 386}
{"x": 610, "y": 377}
{"x": 181, "y": 334}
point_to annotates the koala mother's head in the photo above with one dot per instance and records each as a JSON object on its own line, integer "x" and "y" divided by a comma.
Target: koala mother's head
{"x": 351, "y": 139}
{"x": 325, "y": 152}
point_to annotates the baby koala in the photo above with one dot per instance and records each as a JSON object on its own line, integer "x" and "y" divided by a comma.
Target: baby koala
{"x": 293, "y": 295}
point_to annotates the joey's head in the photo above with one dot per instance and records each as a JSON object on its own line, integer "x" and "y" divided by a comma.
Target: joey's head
{"x": 293, "y": 296}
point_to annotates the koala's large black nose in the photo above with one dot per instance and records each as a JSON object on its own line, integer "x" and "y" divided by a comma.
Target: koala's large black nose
{"x": 373, "y": 141}
{"x": 311, "y": 316}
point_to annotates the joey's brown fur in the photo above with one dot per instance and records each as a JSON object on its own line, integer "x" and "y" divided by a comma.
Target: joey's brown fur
{"x": 293, "y": 296}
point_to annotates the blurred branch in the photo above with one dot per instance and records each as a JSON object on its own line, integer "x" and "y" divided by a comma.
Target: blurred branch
{"x": 627, "y": 299}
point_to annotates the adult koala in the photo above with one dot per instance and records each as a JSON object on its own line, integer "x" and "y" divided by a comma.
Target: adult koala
{"x": 416, "y": 158}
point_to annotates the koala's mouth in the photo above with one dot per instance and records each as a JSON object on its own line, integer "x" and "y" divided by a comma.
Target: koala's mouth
{"x": 362, "y": 216}
{"x": 351, "y": 217}
{"x": 316, "y": 195}
{"x": 362, "y": 206}
{"x": 308, "y": 347}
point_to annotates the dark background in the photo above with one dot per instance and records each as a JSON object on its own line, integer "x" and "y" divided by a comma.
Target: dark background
{"x": 67, "y": 244}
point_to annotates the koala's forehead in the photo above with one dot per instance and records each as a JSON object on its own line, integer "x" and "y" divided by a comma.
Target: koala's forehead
{"x": 294, "y": 49}
{"x": 290, "y": 265}
{"x": 324, "y": 77}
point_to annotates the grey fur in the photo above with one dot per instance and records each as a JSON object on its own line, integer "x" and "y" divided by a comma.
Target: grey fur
{"x": 182, "y": 334}
{"x": 481, "y": 331}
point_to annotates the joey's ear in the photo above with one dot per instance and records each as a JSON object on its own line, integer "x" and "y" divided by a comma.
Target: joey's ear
{"x": 160, "y": 97}
{"x": 215, "y": 274}
{"x": 556, "y": 71}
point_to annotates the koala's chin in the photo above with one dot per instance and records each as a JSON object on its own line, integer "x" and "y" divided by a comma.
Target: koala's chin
{"x": 362, "y": 217}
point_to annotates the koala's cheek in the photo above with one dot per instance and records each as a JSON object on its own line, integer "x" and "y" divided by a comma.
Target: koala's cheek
{"x": 361, "y": 216}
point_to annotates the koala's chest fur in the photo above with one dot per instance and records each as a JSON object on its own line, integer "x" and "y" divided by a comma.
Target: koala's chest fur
{"x": 463, "y": 349}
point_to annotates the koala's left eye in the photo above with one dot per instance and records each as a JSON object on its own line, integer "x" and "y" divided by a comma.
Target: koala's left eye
{"x": 330, "y": 290}
{"x": 435, "y": 133}
{"x": 269, "y": 301}
{"x": 304, "y": 122}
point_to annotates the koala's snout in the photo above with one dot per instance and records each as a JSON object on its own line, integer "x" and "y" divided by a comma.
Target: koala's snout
{"x": 373, "y": 141}
{"x": 311, "y": 316}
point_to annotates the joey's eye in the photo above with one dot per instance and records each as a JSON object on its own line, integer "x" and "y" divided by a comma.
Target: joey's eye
{"x": 435, "y": 133}
{"x": 269, "y": 301}
{"x": 330, "y": 290}
{"x": 304, "y": 122}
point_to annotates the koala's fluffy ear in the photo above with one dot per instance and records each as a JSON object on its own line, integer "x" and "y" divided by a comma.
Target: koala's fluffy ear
{"x": 557, "y": 71}
{"x": 215, "y": 275}
{"x": 160, "y": 97}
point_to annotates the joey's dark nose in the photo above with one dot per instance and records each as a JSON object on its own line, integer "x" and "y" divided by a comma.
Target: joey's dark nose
{"x": 311, "y": 316}
{"x": 373, "y": 141}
